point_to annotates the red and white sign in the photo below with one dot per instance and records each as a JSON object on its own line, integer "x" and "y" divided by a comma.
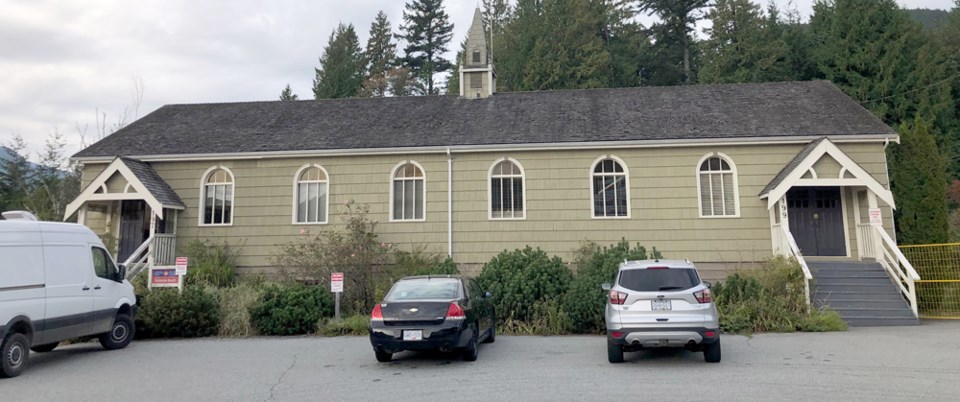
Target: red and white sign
{"x": 336, "y": 282}
{"x": 160, "y": 278}
{"x": 876, "y": 218}
{"x": 181, "y": 265}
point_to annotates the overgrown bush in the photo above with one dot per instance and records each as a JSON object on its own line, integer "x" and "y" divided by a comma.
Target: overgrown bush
{"x": 354, "y": 250}
{"x": 521, "y": 279}
{"x": 770, "y": 299}
{"x": 584, "y": 302}
{"x": 165, "y": 313}
{"x": 291, "y": 310}
{"x": 550, "y": 320}
{"x": 418, "y": 261}
{"x": 353, "y": 325}
{"x": 211, "y": 264}
{"x": 235, "y": 304}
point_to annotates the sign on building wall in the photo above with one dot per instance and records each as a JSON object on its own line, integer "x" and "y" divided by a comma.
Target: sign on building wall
{"x": 876, "y": 218}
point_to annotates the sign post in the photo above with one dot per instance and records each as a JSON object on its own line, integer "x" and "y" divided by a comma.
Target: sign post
{"x": 336, "y": 286}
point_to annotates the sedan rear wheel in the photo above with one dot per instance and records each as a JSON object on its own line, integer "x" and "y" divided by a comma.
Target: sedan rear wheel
{"x": 472, "y": 351}
{"x": 614, "y": 353}
{"x": 382, "y": 356}
{"x": 492, "y": 336}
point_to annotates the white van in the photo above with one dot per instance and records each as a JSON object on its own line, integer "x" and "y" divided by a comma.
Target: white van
{"x": 57, "y": 282}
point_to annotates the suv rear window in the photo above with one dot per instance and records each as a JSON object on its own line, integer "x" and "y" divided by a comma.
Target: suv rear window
{"x": 652, "y": 280}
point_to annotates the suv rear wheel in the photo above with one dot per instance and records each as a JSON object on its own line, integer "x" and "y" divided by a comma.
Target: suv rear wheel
{"x": 711, "y": 352}
{"x": 614, "y": 353}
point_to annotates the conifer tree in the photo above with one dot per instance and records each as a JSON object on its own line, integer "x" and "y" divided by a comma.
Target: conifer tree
{"x": 15, "y": 176}
{"x": 287, "y": 94}
{"x": 741, "y": 46}
{"x": 380, "y": 56}
{"x": 919, "y": 184}
{"x": 569, "y": 52}
{"x": 675, "y": 46}
{"x": 341, "y": 66}
{"x": 427, "y": 32}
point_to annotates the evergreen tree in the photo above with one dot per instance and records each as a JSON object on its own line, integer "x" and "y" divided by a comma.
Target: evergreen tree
{"x": 569, "y": 53}
{"x": 799, "y": 41}
{"x": 919, "y": 184}
{"x": 380, "y": 56}
{"x": 625, "y": 40}
{"x": 674, "y": 50}
{"x": 514, "y": 50}
{"x": 341, "y": 66}
{"x": 496, "y": 13}
{"x": 453, "y": 84}
{"x": 427, "y": 33}
{"x": 287, "y": 94}
{"x": 53, "y": 187}
{"x": 741, "y": 46}
{"x": 16, "y": 176}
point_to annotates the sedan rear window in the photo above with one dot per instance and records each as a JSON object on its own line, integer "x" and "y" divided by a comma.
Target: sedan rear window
{"x": 422, "y": 289}
{"x": 652, "y": 280}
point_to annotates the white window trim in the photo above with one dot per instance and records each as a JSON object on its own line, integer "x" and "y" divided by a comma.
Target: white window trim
{"x": 626, "y": 173}
{"x": 736, "y": 186}
{"x": 296, "y": 188}
{"x": 203, "y": 197}
{"x": 523, "y": 183}
{"x": 393, "y": 172}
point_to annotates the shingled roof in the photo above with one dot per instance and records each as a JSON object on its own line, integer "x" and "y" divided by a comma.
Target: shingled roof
{"x": 731, "y": 111}
{"x": 152, "y": 181}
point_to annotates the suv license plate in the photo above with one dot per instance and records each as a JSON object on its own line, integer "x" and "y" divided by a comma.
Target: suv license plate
{"x": 416, "y": 335}
{"x": 660, "y": 305}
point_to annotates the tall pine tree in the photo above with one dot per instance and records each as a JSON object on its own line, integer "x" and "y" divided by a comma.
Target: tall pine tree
{"x": 919, "y": 184}
{"x": 569, "y": 53}
{"x": 341, "y": 66}
{"x": 380, "y": 56}
{"x": 16, "y": 176}
{"x": 287, "y": 94}
{"x": 741, "y": 47}
{"x": 674, "y": 50}
{"x": 427, "y": 33}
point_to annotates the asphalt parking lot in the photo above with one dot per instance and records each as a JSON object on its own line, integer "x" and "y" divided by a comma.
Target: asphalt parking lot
{"x": 870, "y": 364}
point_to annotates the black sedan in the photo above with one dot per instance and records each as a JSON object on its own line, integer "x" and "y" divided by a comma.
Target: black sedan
{"x": 445, "y": 313}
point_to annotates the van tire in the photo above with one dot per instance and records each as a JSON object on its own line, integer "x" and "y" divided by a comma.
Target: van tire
{"x": 120, "y": 335}
{"x": 45, "y": 348}
{"x": 15, "y": 351}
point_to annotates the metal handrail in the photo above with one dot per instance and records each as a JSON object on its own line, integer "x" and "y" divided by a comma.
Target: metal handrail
{"x": 892, "y": 259}
{"x": 795, "y": 251}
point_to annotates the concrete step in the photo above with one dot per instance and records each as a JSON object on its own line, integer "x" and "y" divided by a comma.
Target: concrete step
{"x": 821, "y": 281}
{"x": 836, "y": 304}
{"x": 902, "y": 312}
{"x": 880, "y": 322}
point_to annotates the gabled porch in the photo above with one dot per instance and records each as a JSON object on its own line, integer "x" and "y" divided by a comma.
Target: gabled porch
{"x": 134, "y": 211}
{"x": 826, "y": 208}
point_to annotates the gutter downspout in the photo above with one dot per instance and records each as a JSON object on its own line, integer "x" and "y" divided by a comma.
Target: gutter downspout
{"x": 449, "y": 204}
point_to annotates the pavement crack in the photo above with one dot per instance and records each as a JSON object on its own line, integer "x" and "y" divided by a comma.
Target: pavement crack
{"x": 284, "y": 374}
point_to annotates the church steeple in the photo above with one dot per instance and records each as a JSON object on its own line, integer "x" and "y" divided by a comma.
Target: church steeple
{"x": 477, "y": 78}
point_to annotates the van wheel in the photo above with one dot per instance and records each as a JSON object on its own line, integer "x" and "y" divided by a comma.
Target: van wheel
{"x": 120, "y": 335}
{"x": 45, "y": 348}
{"x": 15, "y": 351}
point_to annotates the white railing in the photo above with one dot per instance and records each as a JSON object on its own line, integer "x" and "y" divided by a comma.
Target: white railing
{"x": 787, "y": 246}
{"x": 139, "y": 259}
{"x": 889, "y": 256}
{"x": 865, "y": 243}
{"x": 164, "y": 249}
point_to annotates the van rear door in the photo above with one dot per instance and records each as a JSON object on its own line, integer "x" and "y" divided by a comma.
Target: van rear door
{"x": 21, "y": 272}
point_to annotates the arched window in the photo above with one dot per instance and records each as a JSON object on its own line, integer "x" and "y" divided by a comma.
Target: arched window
{"x": 717, "y": 179}
{"x": 217, "y": 200}
{"x": 610, "y": 196}
{"x": 507, "y": 190}
{"x": 310, "y": 195}
{"x": 408, "y": 195}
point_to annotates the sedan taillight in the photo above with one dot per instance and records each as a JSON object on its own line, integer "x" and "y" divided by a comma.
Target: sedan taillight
{"x": 704, "y": 296}
{"x": 617, "y": 297}
{"x": 455, "y": 312}
{"x": 377, "y": 314}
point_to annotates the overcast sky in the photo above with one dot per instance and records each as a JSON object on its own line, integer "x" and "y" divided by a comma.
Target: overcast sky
{"x": 61, "y": 61}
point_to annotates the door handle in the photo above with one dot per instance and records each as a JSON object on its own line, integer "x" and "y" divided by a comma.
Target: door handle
{"x": 85, "y": 288}
{"x": 97, "y": 288}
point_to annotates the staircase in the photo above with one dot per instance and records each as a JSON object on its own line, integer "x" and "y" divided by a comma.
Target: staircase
{"x": 861, "y": 292}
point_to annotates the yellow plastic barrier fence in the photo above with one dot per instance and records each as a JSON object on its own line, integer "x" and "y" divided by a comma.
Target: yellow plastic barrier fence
{"x": 938, "y": 291}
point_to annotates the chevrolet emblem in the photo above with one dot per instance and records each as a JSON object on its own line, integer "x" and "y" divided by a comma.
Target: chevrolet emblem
{"x": 414, "y": 310}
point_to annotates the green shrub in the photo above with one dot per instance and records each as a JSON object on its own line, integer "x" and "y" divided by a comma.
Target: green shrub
{"x": 520, "y": 279}
{"x": 418, "y": 261}
{"x": 235, "y": 305}
{"x": 585, "y": 301}
{"x": 139, "y": 282}
{"x": 353, "y": 325}
{"x": 165, "y": 313}
{"x": 211, "y": 264}
{"x": 770, "y": 299}
{"x": 291, "y": 310}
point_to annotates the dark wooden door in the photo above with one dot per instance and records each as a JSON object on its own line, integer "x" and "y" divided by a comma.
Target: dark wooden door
{"x": 816, "y": 220}
{"x": 133, "y": 227}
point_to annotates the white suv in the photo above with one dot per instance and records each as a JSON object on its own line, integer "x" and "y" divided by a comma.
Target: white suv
{"x": 661, "y": 303}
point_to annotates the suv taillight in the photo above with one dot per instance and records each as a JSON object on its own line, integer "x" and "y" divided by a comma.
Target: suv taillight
{"x": 704, "y": 296}
{"x": 455, "y": 312}
{"x": 617, "y": 297}
{"x": 377, "y": 314}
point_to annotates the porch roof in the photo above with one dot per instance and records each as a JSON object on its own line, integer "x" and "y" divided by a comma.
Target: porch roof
{"x": 149, "y": 187}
